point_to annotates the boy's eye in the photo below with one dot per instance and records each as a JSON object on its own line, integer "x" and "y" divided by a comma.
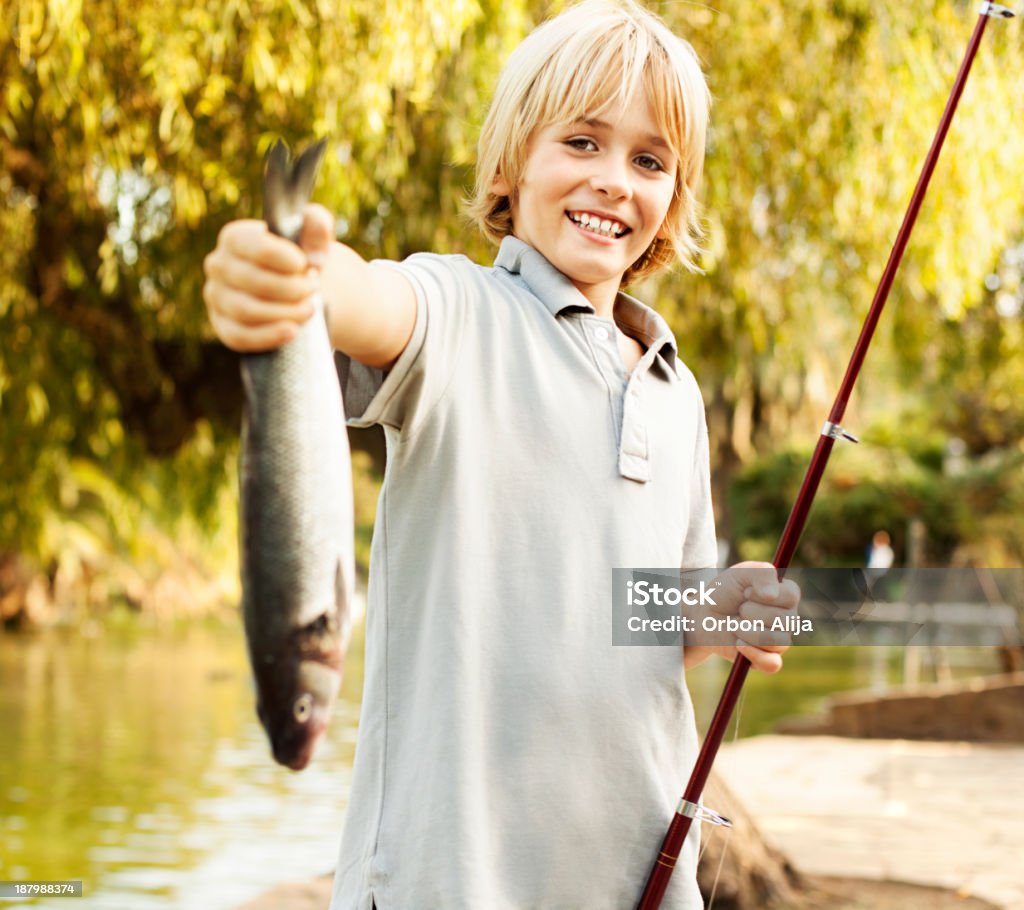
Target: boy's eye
{"x": 582, "y": 143}
{"x": 649, "y": 163}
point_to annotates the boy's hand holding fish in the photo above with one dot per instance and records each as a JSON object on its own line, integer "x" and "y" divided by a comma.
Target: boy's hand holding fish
{"x": 260, "y": 288}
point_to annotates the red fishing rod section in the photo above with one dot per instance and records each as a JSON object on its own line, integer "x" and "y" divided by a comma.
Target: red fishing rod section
{"x": 689, "y": 806}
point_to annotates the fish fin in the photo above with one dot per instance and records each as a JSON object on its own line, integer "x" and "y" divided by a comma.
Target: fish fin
{"x": 288, "y": 185}
{"x": 305, "y": 169}
{"x": 275, "y": 186}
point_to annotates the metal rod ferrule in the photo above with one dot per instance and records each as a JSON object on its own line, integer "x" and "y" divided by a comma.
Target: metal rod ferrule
{"x": 834, "y": 431}
{"x": 702, "y": 813}
{"x": 996, "y": 10}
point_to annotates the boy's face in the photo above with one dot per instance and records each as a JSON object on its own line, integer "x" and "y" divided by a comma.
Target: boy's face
{"x": 580, "y": 176}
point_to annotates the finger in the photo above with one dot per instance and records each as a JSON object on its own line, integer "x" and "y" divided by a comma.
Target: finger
{"x": 769, "y": 614}
{"x": 251, "y": 339}
{"x": 784, "y": 594}
{"x": 766, "y": 661}
{"x": 789, "y": 594}
{"x": 253, "y": 241}
{"x": 759, "y": 606}
{"x": 760, "y": 576}
{"x": 740, "y": 582}
{"x": 252, "y": 312}
{"x": 764, "y": 636}
{"x": 317, "y": 234}
{"x": 780, "y": 615}
{"x": 253, "y": 279}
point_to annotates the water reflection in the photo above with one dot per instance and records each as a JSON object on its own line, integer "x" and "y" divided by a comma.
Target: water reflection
{"x": 811, "y": 674}
{"x": 137, "y": 765}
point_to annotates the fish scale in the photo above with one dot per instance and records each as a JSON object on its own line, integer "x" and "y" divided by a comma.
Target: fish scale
{"x": 295, "y": 507}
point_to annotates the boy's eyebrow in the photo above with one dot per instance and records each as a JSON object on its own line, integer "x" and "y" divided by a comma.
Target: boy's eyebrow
{"x": 652, "y": 138}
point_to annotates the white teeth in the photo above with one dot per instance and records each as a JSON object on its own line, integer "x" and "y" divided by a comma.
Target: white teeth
{"x": 606, "y": 227}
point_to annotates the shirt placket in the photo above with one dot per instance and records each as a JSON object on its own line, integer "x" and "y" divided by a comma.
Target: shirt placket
{"x": 625, "y": 398}
{"x": 634, "y": 462}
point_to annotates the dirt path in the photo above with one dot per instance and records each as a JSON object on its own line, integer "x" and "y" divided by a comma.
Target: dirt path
{"x": 872, "y": 824}
{"x": 827, "y": 894}
{"x": 946, "y": 815}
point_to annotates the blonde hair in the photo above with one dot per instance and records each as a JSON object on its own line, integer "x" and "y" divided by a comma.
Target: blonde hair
{"x": 592, "y": 56}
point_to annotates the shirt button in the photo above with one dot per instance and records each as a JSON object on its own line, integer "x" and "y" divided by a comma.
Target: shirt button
{"x": 601, "y": 333}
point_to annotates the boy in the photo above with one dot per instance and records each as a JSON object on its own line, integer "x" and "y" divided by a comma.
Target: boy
{"x": 540, "y": 432}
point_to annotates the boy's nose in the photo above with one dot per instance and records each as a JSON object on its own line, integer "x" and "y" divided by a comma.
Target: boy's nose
{"x": 611, "y": 178}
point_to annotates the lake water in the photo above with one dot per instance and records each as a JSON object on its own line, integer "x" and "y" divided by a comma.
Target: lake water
{"x": 134, "y": 761}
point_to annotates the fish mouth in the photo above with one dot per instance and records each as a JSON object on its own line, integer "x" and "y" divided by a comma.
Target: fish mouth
{"x": 296, "y": 752}
{"x": 299, "y": 760}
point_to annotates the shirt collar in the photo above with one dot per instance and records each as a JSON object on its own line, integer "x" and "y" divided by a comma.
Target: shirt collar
{"x": 560, "y": 296}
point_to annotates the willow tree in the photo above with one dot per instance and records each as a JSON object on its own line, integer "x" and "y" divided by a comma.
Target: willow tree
{"x": 823, "y": 115}
{"x": 130, "y": 133}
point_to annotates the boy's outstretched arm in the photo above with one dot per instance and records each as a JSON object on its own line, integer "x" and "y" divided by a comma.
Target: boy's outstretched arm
{"x": 259, "y": 288}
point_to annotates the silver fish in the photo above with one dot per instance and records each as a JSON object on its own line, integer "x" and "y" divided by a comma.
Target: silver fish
{"x": 296, "y": 507}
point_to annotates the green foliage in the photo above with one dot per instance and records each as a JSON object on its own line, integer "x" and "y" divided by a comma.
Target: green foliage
{"x": 823, "y": 115}
{"x": 970, "y": 510}
{"x": 130, "y": 134}
{"x": 977, "y": 368}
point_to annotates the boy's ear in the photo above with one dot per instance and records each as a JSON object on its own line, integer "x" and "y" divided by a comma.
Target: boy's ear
{"x": 500, "y": 186}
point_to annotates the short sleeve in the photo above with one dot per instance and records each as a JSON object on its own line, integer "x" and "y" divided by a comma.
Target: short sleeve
{"x": 700, "y": 547}
{"x": 403, "y": 396}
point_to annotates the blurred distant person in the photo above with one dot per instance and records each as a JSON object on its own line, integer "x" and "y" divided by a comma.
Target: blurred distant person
{"x": 880, "y": 554}
{"x": 879, "y": 560}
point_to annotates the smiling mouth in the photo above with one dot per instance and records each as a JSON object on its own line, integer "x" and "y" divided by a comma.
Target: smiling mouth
{"x": 603, "y": 227}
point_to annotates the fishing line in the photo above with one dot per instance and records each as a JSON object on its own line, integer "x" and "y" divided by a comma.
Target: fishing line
{"x": 728, "y": 832}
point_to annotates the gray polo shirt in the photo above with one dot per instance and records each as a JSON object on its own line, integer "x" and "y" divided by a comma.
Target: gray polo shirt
{"x": 509, "y": 757}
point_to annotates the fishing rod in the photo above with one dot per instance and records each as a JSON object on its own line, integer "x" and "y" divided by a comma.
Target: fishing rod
{"x": 690, "y": 806}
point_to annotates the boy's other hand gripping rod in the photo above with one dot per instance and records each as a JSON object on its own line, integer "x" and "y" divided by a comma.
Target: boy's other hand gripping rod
{"x": 689, "y": 807}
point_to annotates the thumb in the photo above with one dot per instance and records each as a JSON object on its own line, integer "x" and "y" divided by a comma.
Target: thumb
{"x": 757, "y": 578}
{"x": 317, "y": 234}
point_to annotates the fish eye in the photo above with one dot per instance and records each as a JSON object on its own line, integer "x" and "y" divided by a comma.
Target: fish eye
{"x": 319, "y": 625}
{"x": 302, "y": 709}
